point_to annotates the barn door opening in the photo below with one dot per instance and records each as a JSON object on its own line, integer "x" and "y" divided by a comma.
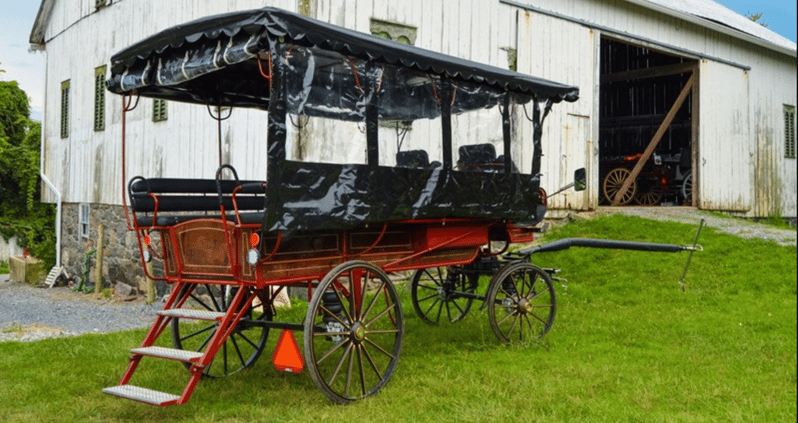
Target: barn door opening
{"x": 646, "y": 126}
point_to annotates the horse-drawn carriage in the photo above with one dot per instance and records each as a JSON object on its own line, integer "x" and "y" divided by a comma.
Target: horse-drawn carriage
{"x": 445, "y": 201}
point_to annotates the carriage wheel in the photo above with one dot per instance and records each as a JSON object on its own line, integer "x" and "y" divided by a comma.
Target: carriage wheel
{"x": 651, "y": 196}
{"x": 242, "y": 348}
{"x": 687, "y": 189}
{"x": 521, "y": 302}
{"x": 353, "y": 332}
{"x": 434, "y": 290}
{"x": 613, "y": 183}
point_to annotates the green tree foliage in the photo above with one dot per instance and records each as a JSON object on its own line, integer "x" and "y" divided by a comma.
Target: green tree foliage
{"x": 755, "y": 17}
{"x": 21, "y": 213}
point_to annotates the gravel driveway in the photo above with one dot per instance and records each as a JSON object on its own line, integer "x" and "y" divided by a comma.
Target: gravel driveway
{"x": 30, "y": 314}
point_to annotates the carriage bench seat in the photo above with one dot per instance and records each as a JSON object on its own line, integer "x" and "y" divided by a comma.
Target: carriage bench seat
{"x": 169, "y": 201}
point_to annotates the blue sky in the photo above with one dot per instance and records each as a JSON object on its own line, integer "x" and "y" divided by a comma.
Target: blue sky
{"x": 27, "y": 68}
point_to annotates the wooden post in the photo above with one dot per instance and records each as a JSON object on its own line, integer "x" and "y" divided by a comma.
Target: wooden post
{"x": 98, "y": 276}
{"x": 655, "y": 141}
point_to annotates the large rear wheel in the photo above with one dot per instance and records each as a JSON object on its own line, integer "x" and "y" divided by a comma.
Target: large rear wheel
{"x": 353, "y": 332}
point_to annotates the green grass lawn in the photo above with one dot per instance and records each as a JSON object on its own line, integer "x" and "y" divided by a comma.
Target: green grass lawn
{"x": 627, "y": 345}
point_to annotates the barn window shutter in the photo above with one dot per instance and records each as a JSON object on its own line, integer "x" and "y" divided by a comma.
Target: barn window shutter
{"x": 99, "y": 99}
{"x": 65, "y": 109}
{"x": 789, "y": 132}
{"x": 158, "y": 110}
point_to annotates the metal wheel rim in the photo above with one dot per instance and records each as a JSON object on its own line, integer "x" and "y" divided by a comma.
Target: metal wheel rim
{"x": 359, "y": 359}
{"x": 240, "y": 350}
{"x": 427, "y": 287}
{"x": 687, "y": 188}
{"x": 534, "y": 294}
{"x": 613, "y": 183}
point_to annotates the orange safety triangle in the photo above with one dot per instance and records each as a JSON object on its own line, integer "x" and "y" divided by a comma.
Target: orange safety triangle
{"x": 287, "y": 357}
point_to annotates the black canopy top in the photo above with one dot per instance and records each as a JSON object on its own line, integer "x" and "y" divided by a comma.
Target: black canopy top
{"x": 213, "y": 59}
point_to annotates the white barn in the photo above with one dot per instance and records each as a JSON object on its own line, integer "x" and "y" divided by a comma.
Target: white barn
{"x": 631, "y": 59}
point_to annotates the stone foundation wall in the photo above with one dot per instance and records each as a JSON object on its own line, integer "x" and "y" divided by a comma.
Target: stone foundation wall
{"x": 121, "y": 262}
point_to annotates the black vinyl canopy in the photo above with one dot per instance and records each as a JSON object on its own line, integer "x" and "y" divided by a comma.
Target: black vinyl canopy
{"x": 206, "y": 60}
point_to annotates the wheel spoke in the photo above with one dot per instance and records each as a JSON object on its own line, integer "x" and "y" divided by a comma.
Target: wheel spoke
{"x": 373, "y": 300}
{"x": 380, "y": 349}
{"x": 331, "y": 314}
{"x": 340, "y": 362}
{"x": 238, "y": 350}
{"x": 338, "y": 295}
{"x": 349, "y": 371}
{"x": 371, "y": 361}
{"x": 195, "y": 333}
{"x": 431, "y": 306}
{"x": 382, "y": 313}
{"x": 362, "y": 375}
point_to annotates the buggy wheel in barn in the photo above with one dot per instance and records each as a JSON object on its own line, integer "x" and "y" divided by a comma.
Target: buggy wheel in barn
{"x": 649, "y": 191}
{"x": 613, "y": 183}
{"x": 242, "y": 348}
{"x": 687, "y": 189}
{"x": 353, "y": 332}
{"x": 437, "y": 289}
{"x": 521, "y": 302}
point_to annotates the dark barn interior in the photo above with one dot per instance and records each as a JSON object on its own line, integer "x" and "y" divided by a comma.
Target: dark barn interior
{"x": 639, "y": 109}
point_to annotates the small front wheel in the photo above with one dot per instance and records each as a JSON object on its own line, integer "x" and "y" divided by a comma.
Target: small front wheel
{"x": 353, "y": 332}
{"x": 436, "y": 289}
{"x": 521, "y": 302}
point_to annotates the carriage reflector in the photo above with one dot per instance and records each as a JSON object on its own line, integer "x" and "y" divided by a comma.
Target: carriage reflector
{"x": 146, "y": 255}
{"x": 254, "y": 239}
{"x": 287, "y": 357}
{"x": 147, "y": 240}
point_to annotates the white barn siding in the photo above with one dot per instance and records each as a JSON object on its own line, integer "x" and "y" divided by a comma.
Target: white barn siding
{"x": 726, "y": 149}
{"x": 564, "y": 52}
{"x": 87, "y": 164}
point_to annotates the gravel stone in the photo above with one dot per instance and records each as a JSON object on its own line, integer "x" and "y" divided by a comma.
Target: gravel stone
{"x": 29, "y": 314}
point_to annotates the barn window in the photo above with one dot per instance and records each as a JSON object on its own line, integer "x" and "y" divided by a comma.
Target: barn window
{"x": 404, "y": 34}
{"x": 99, "y": 4}
{"x": 99, "y": 99}
{"x": 158, "y": 110}
{"x": 789, "y": 131}
{"x": 65, "y": 109}
{"x": 394, "y": 31}
{"x": 83, "y": 221}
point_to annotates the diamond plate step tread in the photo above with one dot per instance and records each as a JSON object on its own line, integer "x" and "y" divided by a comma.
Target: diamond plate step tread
{"x": 145, "y": 395}
{"x": 187, "y": 313}
{"x": 169, "y": 353}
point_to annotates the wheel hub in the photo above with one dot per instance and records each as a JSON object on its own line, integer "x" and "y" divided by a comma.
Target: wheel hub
{"x": 524, "y": 306}
{"x": 358, "y": 332}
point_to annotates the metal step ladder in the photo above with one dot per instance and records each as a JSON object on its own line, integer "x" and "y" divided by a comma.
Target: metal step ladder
{"x": 197, "y": 361}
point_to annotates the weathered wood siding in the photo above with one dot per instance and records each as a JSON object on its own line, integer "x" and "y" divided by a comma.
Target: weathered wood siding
{"x": 726, "y": 159}
{"x": 87, "y": 166}
{"x": 564, "y": 52}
